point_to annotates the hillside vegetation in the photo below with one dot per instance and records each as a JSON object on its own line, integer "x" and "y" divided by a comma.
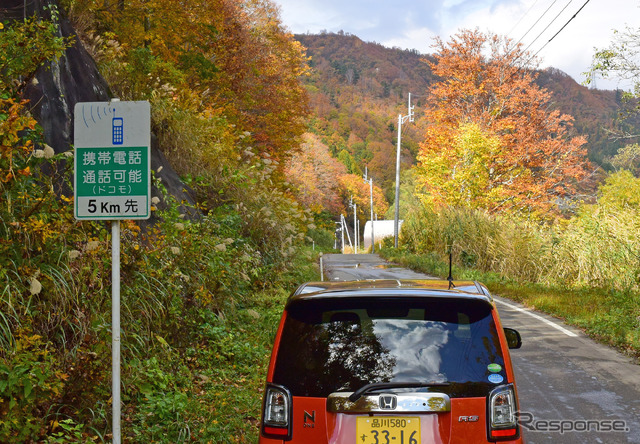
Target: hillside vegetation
{"x": 500, "y": 180}
{"x": 200, "y": 296}
{"x": 358, "y": 88}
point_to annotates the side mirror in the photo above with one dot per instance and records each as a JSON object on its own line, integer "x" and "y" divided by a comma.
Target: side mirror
{"x": 514, "y": 340}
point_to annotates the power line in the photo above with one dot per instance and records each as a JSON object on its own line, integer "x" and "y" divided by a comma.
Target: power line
{"x": 561, "y": 29}
{"x": 522, "y": 18}
{"x": 524, "y": 52}
{"x": 537, "y": 21}
{"x": 550, "y": 23}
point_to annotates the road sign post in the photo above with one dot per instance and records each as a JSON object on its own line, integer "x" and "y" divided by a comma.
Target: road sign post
{"x": 112, "y": 181}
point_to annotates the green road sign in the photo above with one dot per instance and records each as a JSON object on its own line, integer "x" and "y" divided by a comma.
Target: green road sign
{"x": 112, "y": 160}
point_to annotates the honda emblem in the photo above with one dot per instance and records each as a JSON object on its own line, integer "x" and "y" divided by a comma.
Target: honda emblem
{"x": 388, "y": 402}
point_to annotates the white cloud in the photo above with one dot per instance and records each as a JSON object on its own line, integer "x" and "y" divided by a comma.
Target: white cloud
{"x": 420, "y": 39}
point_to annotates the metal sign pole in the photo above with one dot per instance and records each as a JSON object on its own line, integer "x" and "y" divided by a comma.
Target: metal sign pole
{"x": 115, "y": 329}
{"x": 112, "y": 181}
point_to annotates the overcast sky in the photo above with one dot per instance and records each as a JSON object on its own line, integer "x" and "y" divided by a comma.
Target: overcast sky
{"x": 413, "y": 24}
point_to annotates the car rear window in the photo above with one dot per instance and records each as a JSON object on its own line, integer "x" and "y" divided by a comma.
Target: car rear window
{"x": 338, "y": 344}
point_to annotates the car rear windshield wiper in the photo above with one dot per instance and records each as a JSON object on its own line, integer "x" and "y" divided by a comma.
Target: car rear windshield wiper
{"x": 391, "y": 385}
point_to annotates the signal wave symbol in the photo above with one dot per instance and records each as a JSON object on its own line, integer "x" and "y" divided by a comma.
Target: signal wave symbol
{"x": 91, "y": 113}
{"x": 98, "y": 111}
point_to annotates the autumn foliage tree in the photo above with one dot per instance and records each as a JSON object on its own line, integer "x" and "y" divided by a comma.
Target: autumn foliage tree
{"x": 492, "y": 142}
{"x": 224, "y": 59}
{"x": 325, "y": 185}
{"x": 354, "y": 187}
{"x": 314, "y": 174}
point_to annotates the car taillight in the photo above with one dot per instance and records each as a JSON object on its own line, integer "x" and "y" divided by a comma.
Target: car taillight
{"x": 276, "y": 412}
{"x": 502, "y": 414}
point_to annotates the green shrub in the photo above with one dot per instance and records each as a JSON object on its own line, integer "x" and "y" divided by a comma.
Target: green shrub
{"x": 31, "y": 380}
{"x": 322, "y": 239}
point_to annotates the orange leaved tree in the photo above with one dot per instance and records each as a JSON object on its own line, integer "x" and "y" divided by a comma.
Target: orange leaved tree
{"x": 492, "y": 142}
{"x": 354, "y": 187}
{"x": 314, "y": 174}
{"x": 227, "y": 59}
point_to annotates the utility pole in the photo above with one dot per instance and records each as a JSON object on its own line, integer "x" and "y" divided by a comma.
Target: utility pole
{"x": 370, "y": 182}
{"x": 401, "y": 120}
{"x": 345, "y": 228}
{"x": 356, "y": 235}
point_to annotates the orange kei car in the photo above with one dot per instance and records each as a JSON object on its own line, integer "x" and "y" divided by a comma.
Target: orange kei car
{"x": 391, "y": 362}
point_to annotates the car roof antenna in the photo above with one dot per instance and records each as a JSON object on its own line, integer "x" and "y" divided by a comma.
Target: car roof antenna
{"x": 450, "y": 278}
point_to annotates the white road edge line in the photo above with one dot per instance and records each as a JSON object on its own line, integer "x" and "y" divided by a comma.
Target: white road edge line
{"x": 546, "y": 321}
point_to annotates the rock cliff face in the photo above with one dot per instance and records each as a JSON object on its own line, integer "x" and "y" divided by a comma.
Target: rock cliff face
{"x": 74, "y": 78}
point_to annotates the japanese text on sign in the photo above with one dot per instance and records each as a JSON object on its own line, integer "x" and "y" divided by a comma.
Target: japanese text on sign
{"x": 112, "y": 172}
{"x": 112, "y": 181}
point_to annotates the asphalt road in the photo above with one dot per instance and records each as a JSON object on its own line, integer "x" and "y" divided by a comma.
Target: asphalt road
{"x": 571, "y": 389}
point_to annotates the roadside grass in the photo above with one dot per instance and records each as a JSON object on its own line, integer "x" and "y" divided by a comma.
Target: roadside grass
{"x": 211, "y": 390}
{"x": 229, "y": 378}
{"x": 609, "y": 316}
{"x": 200, "y": 303}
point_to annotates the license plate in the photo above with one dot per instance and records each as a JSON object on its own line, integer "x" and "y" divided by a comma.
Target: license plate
{"x": 387, "y": 430}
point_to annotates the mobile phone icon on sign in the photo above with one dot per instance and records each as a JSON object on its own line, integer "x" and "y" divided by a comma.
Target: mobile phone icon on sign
{"x": 116, "y": 125}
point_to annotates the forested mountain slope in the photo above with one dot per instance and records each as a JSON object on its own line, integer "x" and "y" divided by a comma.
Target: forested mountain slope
{"x": 358, "y": 89}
